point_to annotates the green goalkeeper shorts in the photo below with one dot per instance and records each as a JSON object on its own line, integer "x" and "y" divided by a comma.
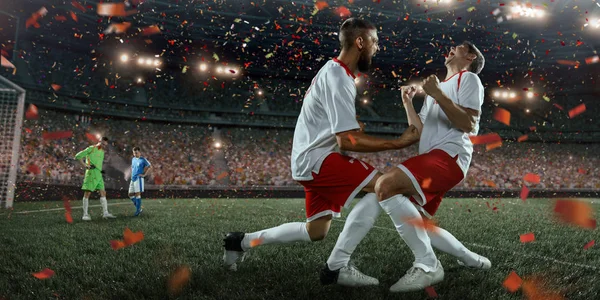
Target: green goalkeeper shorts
{"x": 93, "y": 181}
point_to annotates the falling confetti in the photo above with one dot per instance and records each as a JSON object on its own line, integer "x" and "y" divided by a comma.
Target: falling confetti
{"x": 431, "y": 292}
{"x": 179, "y": 279}
{"x": 57, "y": 135}
{"x": 32, "y": 112}
{"x": 43, "y": 274}
{"x": 589, "y": 245}
{"x": 426, "y": 183}
{"x": 577, "y": 110}
{"x": 524, "y": 193}
{"x": 522, "y": 138}
{"x": 352, "y": 139}
{"x": 512, "y": 282}
{"x": 485, "y": 139}
{"x": 527, "y": 237}
{"x": 256, "y": 242}
{"x": 575, "y": 212}
{"x": 532, "y": 178}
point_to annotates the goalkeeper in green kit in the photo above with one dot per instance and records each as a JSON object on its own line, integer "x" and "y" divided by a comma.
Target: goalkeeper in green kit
{"x": 91, "y": 158}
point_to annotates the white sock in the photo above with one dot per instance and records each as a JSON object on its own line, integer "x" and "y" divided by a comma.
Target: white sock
{"x": 401, "y": 210}
{"x": 358, "y": 223}
{"x": 284, "y": 233}
{"x": 104, "y": 204}
{"x": 445, "y": 241}
{"x": 86, "y": 203}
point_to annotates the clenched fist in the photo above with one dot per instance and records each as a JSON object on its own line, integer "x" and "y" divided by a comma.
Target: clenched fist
{"x": 431, "y": 86}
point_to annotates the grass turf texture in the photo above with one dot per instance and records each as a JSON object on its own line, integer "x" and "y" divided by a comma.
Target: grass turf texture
{"x": 189, "y": 232}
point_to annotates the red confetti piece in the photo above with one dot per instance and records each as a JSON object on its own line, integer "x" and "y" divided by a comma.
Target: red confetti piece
{"x": 34, "y": 169}
{"x": 527, "y": 237}
{"x": 73, "y": 16}
{"x": 179, "y": 279}
{"x": 589, "y": 245}
{"x": 68, "y": 217}
{"x": 575, "y": 212}
{"x": 577, "y": 110}
{"x": 57, "y": 135}
{"x": 32, "y": 112}
{"x": 592, "y": 60}
{"x": 256, "y": 242}
{"x": 581, "y": 171}
{"x": 426, "y": 183}
{"x": 522, "y": 138}
{"x": 342, "y": 11}
{"x": 524, "y": 193}
{"x": 222, "y": 175}
{"x": 6, "y": 63}
{"x": 33, "y": 20}
{"x": 55, "y": 87}
{"x": 489, "y": 147}
{"x": 78, "y": 6}
{"x": 150, "y": 30}
{"x": 490, "y": 183}
{"x": 60, "y": 18}
{"x": 320, "y": 5}
{"x": 431, "y": 292}
{"x": 502, "y": 115}
{"x": 558, "y": 106}
{"x": 352, "y": 139}
{"x": 485, "y": 139}
{"x": 92, "y": 138}
{"x": 130, "y": 237}
{"x": 512, "y": 282}
{"x": 532, "y": 178}
{"x": 117, "y": 244}
{"x": 425, "y": 223}
{"x": 567, "y": 62}
{"x": 43, "y": 274}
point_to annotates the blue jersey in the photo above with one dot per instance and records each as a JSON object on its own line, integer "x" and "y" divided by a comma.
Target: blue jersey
{"x": 137, "y": 167}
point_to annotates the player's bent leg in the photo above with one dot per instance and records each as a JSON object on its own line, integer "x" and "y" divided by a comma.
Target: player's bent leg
{"x": 358, "y": 223}
{"x": 446, "y": 242}
{"x": 104, "y": 203}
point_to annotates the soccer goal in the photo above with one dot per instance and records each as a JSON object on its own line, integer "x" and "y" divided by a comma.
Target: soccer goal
{"x": 12, "y": 105}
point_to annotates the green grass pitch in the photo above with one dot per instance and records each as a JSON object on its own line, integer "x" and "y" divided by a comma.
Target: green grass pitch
{"x": 190, "y": 231}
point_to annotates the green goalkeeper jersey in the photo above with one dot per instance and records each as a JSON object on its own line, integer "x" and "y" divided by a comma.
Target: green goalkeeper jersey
{"x": 93, "y": 156}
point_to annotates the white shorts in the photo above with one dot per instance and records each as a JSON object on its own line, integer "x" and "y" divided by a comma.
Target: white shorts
{"x": 136, "y": 186}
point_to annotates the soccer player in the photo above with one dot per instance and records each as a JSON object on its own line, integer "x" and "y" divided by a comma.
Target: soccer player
{"x": 140, "y": 167}
{"x": 414, "y": 189}
{"x": 331, "y": 180}
{"x": 92, "y": 158}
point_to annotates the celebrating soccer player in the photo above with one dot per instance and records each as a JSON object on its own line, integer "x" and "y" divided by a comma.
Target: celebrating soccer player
{"x": 331, "y": 180}
{"x": 140, "y": 167}
{"x": 92, "y": 158}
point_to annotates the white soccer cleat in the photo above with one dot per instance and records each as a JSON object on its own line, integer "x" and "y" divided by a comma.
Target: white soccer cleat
{"x": 86, "y": 218}
{"x": 351, "y": 276}
{"x": 417, "y": 279}
{"x": 231, "y": 258}
{"x": 108, "y": 216}
{"x": 483, "y": 263}
{"x": 234, "y": 252}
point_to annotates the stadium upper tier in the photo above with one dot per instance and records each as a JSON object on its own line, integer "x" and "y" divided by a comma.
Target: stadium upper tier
{"x": 185, "y": 154}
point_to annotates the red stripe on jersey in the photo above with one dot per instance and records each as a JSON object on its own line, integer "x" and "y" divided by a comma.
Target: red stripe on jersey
{"x": 455, "y": 75}
{"x": 344, "y": 66}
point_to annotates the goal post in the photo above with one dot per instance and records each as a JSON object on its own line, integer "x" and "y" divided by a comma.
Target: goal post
{"x": 12, "y": 107}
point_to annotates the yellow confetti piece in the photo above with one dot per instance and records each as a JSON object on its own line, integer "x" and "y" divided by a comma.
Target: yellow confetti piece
{"x": 429, "y": 61}
{"x": 184, "y": 70}
{"x": 269, "y": 55}
{"x": 546, "y": 98}
{"x": 237, "y": 20}
{"x": 394, "y": 74}
{"x": 514, "y": 36}
{"x": 216, "y": 57}
{"x": 470, "y": 9}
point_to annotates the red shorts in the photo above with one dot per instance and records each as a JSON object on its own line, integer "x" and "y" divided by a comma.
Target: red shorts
{"x": 433, "y": 174}
{"x": 339, "y": 180}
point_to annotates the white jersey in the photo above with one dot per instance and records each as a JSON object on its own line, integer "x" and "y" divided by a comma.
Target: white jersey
{"x": 328, "y": 109}
{"x": 466, "y": 90}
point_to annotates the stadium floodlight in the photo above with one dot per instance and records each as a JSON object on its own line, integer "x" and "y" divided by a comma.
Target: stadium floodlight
{"x": 124, "y": 57}
{"x": 203, "y": 67}
{"x": 365, "y": 101}
{"x": 530, "y": 94}
{"x": 260, "y": 92}
{"x": 156, "y": 62}
{"x": 505, "y": 94}
{"x": 219, "y": 70}
{"x": 218, "y": 145}
{"x": 496, "y": 94}
{"x": 149, "y": 61}
{"x": 140, "y": 61}
{"x": 527, "y": 110}
{"x": 98, "y": 136}
{"x": 140, "y": 80}
{"x": 512, "y": 95}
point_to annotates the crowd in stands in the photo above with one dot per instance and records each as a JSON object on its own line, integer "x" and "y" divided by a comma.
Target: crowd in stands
{"x": 187, "y": 155}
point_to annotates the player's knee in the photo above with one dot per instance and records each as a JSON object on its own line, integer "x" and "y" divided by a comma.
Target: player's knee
{"x": 384, "y": 187}
{"x": 317, "y": 234}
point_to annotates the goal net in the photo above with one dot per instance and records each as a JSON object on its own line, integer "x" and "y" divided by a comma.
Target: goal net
{"x": 12, "y": 105}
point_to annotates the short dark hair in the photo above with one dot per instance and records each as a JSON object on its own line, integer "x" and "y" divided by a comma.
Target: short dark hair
{"x": 477, "y": 64}
{"x": 105, "y": 139}
{"x": 351, "y": 29}
{"x": 136, "y": 148}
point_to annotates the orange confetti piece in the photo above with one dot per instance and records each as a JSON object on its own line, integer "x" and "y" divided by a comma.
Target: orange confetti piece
{"x": 592, "y": 60}
{"x": 6, "y": 63}
{"x": 577, "y": 110}
{"x": 492, "y": 146}
{"x": 57, "y": 135}
{"x": 179, "y": 279}
{"x": 111, "y": 9}
{"x": 575, "y": 212}
{"x": 527, "y": 237}
{"x": 32, "y": 112}
{"x": 589, "y": 245}
{"x": 78, "y": 6}
{"x": 485, "y": 139}
{"x": 532, "y": 178}
{"x": 425, "y": 223}
{"x": 43, "y": 274}
{"x": 150, "y": 30}
{"x": 92, "y": 138}
{"x": 342, "y": 11}
{"x": 426, "y": 183}
{"x": 256, "y": 242}
{"x": 512, "y": 282}
{"x": 431, "y": 292}
{"x": 522, "y": 138}
{"x": 60, "y": 18}
{"x": 567, "y": 62}
{"x": 222, "y": 175}
{"x": 73, "y": 16}
{"x": 490, "y": 183}
{"x": 55, "y": 87}
{"x": 502, "y": 115}
{"x": 117, "y": 28}
{"x": 533, "y": 290}
{"x": 117, "y": 244}
{"x": 68, "y": 217}
{"x": 130, "y": 237}
{"x": 34, "y": 169}
{"x": 524, "y": 193}
{"x": 320, "y": 5}
{"x": 352, "y": 139}
{"x": 33, "y": 20}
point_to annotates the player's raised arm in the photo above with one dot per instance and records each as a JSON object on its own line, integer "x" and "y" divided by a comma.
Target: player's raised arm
{"x": 408, "y": 93}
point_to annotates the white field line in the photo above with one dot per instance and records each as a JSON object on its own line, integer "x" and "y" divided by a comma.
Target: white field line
{"x": 62, "y": 208}
{"x": 542, "y": 257}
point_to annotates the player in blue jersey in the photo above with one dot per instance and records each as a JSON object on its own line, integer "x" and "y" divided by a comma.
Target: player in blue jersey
{"x": 140, "y": 167}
